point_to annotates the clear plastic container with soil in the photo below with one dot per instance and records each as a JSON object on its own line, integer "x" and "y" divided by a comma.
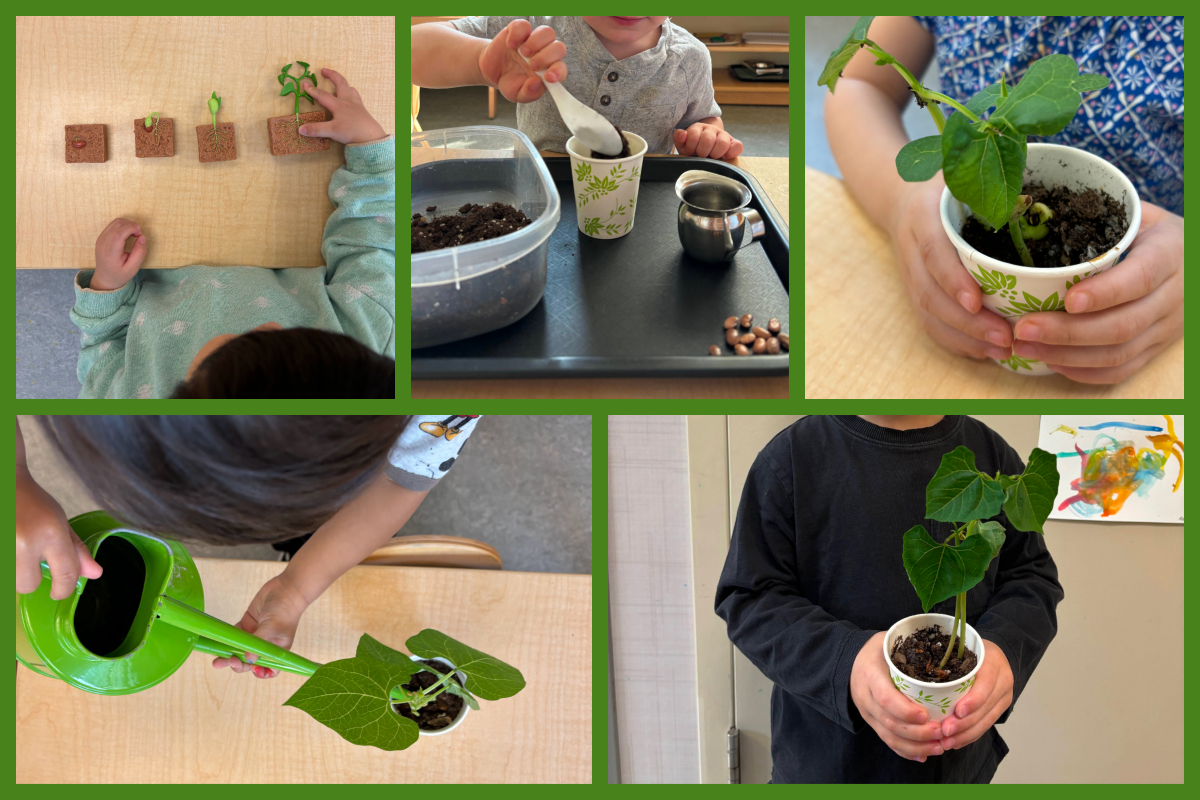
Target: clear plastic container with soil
{"x": 442, "y": 711}
{"x": 478, "y": 287}
{"x": 919, "y": 656}
{"x": 1085, "y": 224}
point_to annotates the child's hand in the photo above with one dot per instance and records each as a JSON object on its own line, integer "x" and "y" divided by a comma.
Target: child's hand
{"x": 273, "y": 615}
{"x": 944, "y": 295}
{"x": 351, "y": 123}
{"x": 902, "y": 724}
{"x": 505, "y": 70}
{"x": 43, "y": 534}
{"x": 707, "y": 141}
{"x": 115, "y": 267}
{"x": 1118, "y": 320}
{"x": 989, "y": 697}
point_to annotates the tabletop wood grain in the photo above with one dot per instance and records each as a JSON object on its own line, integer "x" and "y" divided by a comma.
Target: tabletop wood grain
{"x": 772, "y": 175}
{"x": 203, "y": 725}
{"x": 862, "y": 338}
{"x": 258, "y": 210}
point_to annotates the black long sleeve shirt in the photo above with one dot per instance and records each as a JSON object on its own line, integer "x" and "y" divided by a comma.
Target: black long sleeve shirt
{"x": 815, "y": 569}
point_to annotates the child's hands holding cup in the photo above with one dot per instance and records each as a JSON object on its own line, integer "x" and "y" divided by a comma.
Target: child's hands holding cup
{"x": 351, "y": 123}
{"x": 115, "y": 267}
{"x": 505, "y": 70}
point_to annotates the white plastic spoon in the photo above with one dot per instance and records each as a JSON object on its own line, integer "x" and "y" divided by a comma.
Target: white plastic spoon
{"x": 594, "y": 131}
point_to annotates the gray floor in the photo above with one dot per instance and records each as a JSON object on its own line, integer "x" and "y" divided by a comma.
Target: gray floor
{"x": 821, "y": 36}
{"x": 523, "y": 485}
{"x": 763, "y": 130}
{"x": 47, "y": 342}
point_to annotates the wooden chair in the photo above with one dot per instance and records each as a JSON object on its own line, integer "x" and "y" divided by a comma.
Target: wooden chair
{"x": 436, "y": 551}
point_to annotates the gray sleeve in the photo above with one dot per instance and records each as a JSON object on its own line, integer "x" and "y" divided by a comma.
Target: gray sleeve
{"x": 701, "y": 100}
{"x": 483, "y": 27}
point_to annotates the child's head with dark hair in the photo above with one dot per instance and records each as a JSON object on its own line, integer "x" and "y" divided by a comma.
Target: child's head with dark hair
{"x": 288, "y": 363}
{"x": 224, "y": 479}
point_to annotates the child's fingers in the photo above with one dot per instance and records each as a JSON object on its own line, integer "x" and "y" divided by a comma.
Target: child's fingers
{"x": 557, "y": 72}
{"x": 88, "y": 566}
{"x": 322, "y": 97}
{"x": 544, "y": 58}
{"x": 124, "y": 231}
{"x": 532, "y": 90}
{"x": 720, "y": 147}
{"x": 340, "y": 85}
{"x": 541, "y": 38}
{"x": 735, "y": 150}
{"x": 137, "y": 255}
{"x": 315, "y": 130}
{"x": 518, "y": 32}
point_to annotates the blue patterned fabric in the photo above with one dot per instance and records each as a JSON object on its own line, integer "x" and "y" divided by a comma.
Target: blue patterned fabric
{"x": 1136, "y": 123}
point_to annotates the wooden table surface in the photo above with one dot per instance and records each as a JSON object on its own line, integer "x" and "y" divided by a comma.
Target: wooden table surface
{"x": 203, "y": 725}
{"x": 772, "y": 174}
{"x": 862, "y": 337}
{"x": 259, "y": 209}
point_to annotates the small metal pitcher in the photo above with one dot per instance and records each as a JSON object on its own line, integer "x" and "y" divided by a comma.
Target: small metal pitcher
{"x": 146, "y": 633}
{"x": 713, "y": 217}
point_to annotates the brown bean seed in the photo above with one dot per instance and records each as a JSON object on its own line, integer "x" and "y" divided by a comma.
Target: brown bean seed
{"x": 773, "y": 346}
{"x": 714, "y": 351}
{"x": 760, "y": 333}
{"x": 760, "y": 346}
{"x": 773, "y": 325}
{"x": 747, "y": 338}
{"x": 732, "y": 336}
{"x": 747, "y": 319}
{"x": 731, "y": 323}
{"x": 741, "y": 349}
{"x": 783, "y": 341}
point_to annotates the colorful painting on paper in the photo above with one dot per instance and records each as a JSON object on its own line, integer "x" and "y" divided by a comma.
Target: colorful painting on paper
{"x": 1119, "y": 468}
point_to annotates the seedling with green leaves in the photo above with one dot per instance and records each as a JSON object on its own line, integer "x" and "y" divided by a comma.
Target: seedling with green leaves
{"x": 960, "y": 494}
{"x": 152, "y": 123}
{"x": 291, "y": 85}
{"x": 983, "y": 160}
{"x": 216, "y": 136}
{"x": 354, "y": 696}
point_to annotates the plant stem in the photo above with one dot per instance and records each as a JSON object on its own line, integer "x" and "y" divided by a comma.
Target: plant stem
{"x": 962, "y": 639}
{"x": 445, "y": 678}
{"x": 1014, "y": 230}
{"x": 953, "y": 635}
{"x": 929, "y": 97}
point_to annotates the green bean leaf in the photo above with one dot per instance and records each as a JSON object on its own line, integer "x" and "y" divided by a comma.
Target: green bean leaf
{"x": 984, "y": 165}
{"x": 1029, "y": 497}
{"x": 958, "y": 492}
{"x": 1047, "y": 97}
{"x": 487, "y": 676}
{"x": 920, "y": 159}
{"x": 840, "y": 57}
{"x": 941, "y": 571}
{"x": 353, "y": 697}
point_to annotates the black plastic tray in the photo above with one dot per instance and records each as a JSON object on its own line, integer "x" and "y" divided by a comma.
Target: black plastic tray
{"x": 638, "y": 305}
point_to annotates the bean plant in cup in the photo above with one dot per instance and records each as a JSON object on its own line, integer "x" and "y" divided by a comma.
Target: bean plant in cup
{"x": 960, "y": 494}
{"x": 354, "y": 696}
{"x": 983, "y": 159}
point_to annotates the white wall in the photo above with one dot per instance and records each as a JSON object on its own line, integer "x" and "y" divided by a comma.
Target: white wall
{"x": 650, "y": 567}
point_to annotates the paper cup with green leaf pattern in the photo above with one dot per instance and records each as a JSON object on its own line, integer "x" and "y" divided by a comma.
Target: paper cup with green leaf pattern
{"x": 939, "y": 699}
{"x": 606, "y": 189}
{"x": 1013, "y": 290}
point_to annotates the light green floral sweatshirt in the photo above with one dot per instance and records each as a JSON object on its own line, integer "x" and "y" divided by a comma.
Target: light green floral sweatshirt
{"x": 137, "y": 341}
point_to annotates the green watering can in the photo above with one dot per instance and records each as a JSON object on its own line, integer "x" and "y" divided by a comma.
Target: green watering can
{"x": 134, "y": 626}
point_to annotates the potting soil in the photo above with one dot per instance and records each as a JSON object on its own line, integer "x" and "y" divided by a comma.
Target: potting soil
{"x": 442, "y": 711}
{"x": 625, "y": 151}
{"x": 473, "y": 223}
{"x": 1085, "y": 225}
{"x": 918, "y": 655}
{"x": 109, "y": 604}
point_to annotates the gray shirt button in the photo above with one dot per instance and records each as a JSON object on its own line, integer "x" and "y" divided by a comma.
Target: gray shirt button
{"x": 612, "y": 76}
{"x": 605, "y": 100}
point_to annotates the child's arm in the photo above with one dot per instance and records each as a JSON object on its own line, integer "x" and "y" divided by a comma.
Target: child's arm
{"x": 104, "y": 301}
{"x": 444, "y": 57}
{"x": 865, "y": 134}
{"x": 43, "y": 534}
{"x": 352, "y": 534}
